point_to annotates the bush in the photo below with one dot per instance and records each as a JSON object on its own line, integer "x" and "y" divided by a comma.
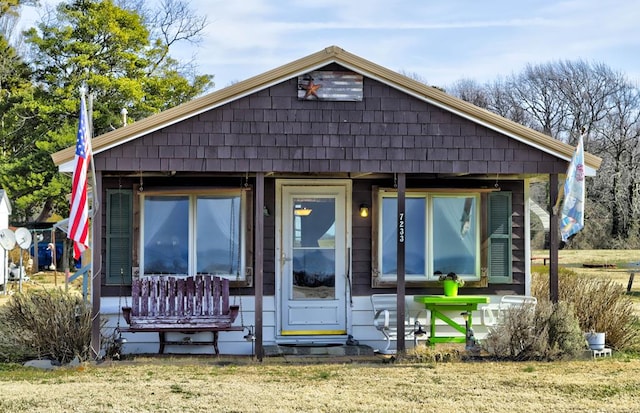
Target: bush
{"x": 517, "y": 337}
{"x": 566, "y": 338}
{"x": 551, "y": 332}
{"x": 45, "y": 324}
{"x": 11, "y": 339}
{"x": 600, "y": 304}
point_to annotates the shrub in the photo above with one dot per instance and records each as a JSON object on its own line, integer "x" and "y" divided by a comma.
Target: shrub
{"x": 566, "y": 338}
{"x": 517, "y": 337}
{"x": 551, "y": 332}
{"x": 600, "y": 304}
{"x": 46, "y": 324}
{"x": 11, "y": 339}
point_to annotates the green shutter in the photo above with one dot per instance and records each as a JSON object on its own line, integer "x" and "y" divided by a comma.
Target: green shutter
{"x": 119, "y": 237}
{"x": 499, "y": 227}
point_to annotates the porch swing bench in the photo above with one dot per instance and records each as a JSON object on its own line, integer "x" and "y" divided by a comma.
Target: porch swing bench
{"x": 186, "y": 305}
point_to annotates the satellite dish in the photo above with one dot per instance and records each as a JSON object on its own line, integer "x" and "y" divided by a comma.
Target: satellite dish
{"x": 23, "y": 238}
{"x": 7, "y": 239}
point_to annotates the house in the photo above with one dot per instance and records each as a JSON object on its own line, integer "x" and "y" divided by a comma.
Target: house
{"x": 296, "y": 183}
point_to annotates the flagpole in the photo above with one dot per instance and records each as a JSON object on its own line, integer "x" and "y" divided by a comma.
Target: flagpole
{"x": 80, "y": 220}
{"x": 96, "y": 337}
{"x": 94, "y": 184}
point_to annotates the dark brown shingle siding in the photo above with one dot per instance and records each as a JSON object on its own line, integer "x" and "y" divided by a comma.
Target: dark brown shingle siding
{"x": 386, "y": 132}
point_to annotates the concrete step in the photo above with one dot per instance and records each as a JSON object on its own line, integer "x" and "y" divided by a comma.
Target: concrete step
{"x": 321, "y": 353}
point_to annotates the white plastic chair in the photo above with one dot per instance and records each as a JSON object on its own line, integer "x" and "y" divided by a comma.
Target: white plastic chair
{"x": 385, "y": 319}
{"x": 493, "y": 314}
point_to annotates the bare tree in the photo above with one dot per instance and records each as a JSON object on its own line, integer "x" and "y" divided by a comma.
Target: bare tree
{"x": 175, "y": 22}
{"x": 504, "y": 103}
{"x": 470, "y": 91}
{"x": 564, "y": 99}
{"x": 535, "y": 92}
{"x": 172, "y": 22}
{"x": 587, "y": 90}
{"x": 616, "y": 139}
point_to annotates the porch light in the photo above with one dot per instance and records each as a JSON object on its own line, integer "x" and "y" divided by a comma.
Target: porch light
{"x": 302, "y": 212}
{"x": 364, "y": 210}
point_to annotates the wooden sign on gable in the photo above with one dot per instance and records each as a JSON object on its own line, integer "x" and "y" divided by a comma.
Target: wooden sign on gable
{"x": 330, "y": 85}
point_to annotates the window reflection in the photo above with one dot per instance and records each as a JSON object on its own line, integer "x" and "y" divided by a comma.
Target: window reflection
{"x": 455, "y": 235}
{"x": 313, "y": 248}
{"x": 212, "y": 223}
{"x": 415, "y": 235}
{"x": 166, "y": 235}
{"x": 441, "y": 234}
{"x": 218, "y": 235}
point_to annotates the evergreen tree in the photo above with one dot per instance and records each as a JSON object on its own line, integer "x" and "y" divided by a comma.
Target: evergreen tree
{"x": 109, "y": 50}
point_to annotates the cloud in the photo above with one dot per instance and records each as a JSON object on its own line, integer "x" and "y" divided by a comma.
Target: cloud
{"x": 440, "y": 41}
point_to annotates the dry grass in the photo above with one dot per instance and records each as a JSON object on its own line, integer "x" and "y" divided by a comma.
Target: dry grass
{"x": 624, "y": 262}
{"x": 239, "y": 384}
{"x": 199, "y": 385}
{"x": 43, "y": 279}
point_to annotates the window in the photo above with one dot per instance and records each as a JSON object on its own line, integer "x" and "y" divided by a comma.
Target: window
{"x": 194, "y": 233}
{"x": 442, "y": 235}
{"x": 455, "y": 234}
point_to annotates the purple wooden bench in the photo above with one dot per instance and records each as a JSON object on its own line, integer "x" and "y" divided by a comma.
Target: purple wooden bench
{"x": 191, "y": 304}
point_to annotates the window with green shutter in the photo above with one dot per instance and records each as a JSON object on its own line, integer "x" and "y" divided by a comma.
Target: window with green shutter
{"x": 119, "y": 236}
{"x": 499, "y": 259}
{"x": 442, "y": 236}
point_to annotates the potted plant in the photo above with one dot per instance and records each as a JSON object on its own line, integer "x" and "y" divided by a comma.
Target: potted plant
{"x": 451, "y": 283}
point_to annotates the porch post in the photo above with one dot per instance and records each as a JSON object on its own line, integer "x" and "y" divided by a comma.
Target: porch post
{"x": 553, "y": 239}
{"x": 400, "y": 287}
{"x": 96, "y": 278}
{"x": 527, "y": 237}
{"x": 258, "y": 267}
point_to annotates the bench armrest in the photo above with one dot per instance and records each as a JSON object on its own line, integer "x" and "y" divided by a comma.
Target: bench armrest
{"x": 381, "y": 319}
{"x": 126, "y": 313}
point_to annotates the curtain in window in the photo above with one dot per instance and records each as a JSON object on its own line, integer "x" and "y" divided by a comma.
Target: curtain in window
{"x": 454, "y": 235}
{"x": 218, "y": 235}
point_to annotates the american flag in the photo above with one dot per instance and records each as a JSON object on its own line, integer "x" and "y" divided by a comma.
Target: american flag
{"x": 79, "y": 215}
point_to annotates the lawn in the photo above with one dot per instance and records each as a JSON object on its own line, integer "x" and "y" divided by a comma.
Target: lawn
{"x": 194, "y": 384}
{"x": 203, "y": 385}
{"x": 616, "y": 265}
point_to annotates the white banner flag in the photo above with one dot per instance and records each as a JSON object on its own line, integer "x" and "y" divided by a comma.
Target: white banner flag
{"x": 572, "y": 213}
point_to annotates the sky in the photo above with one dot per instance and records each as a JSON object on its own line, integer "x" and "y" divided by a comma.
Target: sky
{"x": 436, "y": 41}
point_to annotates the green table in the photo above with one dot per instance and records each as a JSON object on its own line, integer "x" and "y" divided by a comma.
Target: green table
{"x": 437, "y": 304}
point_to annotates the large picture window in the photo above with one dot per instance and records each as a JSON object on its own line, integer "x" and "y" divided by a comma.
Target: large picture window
{"x": 193, "y": 234}
{"x": 442, "y": 235}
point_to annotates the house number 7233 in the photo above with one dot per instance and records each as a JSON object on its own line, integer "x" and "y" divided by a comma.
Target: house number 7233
{"x": 401, "y": 227}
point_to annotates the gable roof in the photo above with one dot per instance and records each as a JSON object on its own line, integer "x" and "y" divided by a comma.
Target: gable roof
{"x": 332, "y": 54}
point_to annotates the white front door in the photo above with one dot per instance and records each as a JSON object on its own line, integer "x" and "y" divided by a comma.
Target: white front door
{"x": 312, "y": 260}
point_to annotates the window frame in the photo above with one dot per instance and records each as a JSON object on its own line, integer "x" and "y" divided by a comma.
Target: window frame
{"x": 244, "y": 277}
{"x": 380, "y": 280}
